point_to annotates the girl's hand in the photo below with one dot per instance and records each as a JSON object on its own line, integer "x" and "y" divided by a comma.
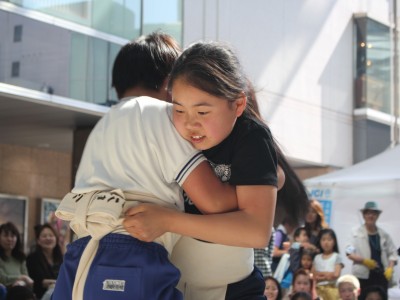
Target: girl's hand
{"x": 147, "y": 222}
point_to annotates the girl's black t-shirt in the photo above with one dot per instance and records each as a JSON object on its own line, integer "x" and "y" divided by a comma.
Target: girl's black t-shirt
{"x": 246, "y": 157}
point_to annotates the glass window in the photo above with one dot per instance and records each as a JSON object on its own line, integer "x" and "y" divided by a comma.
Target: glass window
{"x": 163, "y": 15}
{"x": 15, "y": 69}
{"x": 17, "y": 33}
{"x": 373, "y": 68}
{"x": 56, "y": 60}
{"x": 123, "y": 18}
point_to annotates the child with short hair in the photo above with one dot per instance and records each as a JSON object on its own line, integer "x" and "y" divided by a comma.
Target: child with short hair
{"x": 349, "y": 287}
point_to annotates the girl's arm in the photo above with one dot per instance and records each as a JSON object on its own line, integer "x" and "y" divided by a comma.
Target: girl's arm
{"x": 208, "y": 192}
{"x": 210, "y": 195}
{"x": 250, "y": 226}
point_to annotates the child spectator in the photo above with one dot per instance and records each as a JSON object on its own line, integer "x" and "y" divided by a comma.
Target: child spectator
{"x": 327, "y": 265}
{"x": 373, "y": 292}
{"x": 307, "y": 259}
{"x": 302, "y": 282}
{"x": 301, "y": 243}
{"x": 272, "y": 289}
{"x": 349, "y": 287}
{"x": 282, "y": 241}
{"x": 301, "y": 296}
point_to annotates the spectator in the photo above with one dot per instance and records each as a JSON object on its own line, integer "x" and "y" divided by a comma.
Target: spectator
{"x": 301, "y": 296}
{"x": 349, "y": 287}
{"x": 282, "y": 241}
{"x": 373, "y": 292}
{"x": 20, "y": 293}
{"x": 307, "y": 259}
{"x": 13, "y": 269}
{"x": 300, "y": 243}
{"x": 315, "y": 220}
{"x": 44, "y": 262}
{"x": 302, "y": 282}
{"x": 372, "y": 250}
{"x": 272, "y": 289}
{"x": 327, "y": 265}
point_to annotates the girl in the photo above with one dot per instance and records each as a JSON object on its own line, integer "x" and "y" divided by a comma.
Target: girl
{"x": 302, "y": 282}
{"x": 212, "y": 111}
{"x": 44, "y": 262}
{"x": 13, "y": 269}
{"x": 306, "y": 259}
{"x": 327, "y": 265}
{"x": 272, "y": 289}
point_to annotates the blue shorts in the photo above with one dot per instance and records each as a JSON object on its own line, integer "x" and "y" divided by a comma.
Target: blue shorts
{"x": 144, "y": 268}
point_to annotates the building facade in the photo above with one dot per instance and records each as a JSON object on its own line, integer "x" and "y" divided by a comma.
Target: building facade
{"x": 322, "y": 71}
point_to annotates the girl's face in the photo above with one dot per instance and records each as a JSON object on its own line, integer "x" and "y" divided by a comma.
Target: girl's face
{"x": 271, "y": 290}
{"x": 203, "y": 119}
{"x": 327, "y": 243}
{"x": 8, "y": 241}
{"x": 311, "y": 216}
{"x": 306, "y": 262}
{"x": 302, "y": 284}
{"x": 47, "y": 239}
{"x": 303, "y": 237}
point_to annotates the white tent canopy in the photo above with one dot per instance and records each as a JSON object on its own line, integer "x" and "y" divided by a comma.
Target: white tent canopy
{"x": 343, "y": 193}
{"x": 384, "y": 167}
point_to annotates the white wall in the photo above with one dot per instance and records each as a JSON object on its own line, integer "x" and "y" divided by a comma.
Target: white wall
{"x": 299, "y": 54}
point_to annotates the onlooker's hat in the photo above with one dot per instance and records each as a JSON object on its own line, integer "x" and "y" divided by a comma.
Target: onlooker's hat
{"x": 348, "y": 278}
{"x": 371, "y": 205}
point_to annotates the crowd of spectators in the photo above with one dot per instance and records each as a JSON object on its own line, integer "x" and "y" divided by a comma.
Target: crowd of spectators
{"x": 307, "y": 259}
{"x": 32, "y": 276}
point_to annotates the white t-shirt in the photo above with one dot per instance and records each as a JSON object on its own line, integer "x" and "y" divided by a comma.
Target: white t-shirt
{"x": 136, "y": 148}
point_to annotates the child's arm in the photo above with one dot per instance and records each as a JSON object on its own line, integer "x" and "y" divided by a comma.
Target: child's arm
{"x": 210, "y": 195}
{"x": 249, "y": 226}
{"x": 208, "y": 192}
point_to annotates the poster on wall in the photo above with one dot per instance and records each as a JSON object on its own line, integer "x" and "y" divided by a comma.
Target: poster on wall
{"x": 15, "y": 209}
{"x": 324, "y": 196}
{"x": 49, "y": 207}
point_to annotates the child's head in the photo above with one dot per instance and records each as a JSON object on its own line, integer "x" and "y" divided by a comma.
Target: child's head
{"x": 301, "y": 296}
{"x": 145, "y": 62}
{"x": 306, "y": 259}
{"x": 373, "y": 292}
{"x": 209, "y": 92}
{"x": 272, "y": 289}
{"x": 327, "y": 241}
{"x": 301, "y": 235}
{"x": 302, "y": 281}
{"x": 348, "y": 286}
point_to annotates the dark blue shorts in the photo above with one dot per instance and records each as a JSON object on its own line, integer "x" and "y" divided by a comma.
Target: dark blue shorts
{"x": 250, "y": 288}
{"x": 143, "y": 268}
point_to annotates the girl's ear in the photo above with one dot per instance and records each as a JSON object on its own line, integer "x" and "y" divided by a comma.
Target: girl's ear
{"x": 240, "y": 104}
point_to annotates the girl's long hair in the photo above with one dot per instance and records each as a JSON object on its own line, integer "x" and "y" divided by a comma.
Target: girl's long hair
{"x": 17, "y": 252}
{"x": 214, "y": 68}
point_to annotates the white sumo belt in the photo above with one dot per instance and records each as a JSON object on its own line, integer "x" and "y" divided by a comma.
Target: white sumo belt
{"x": 97, "y": 214}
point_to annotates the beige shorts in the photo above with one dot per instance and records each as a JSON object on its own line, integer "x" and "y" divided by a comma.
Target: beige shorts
{"x": 207, "y": 269}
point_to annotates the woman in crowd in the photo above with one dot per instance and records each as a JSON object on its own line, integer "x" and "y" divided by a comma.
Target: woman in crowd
{"x": 315, "y": 220}
{"x": 44, "y": 262}
{"x": 13, "y": 269}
